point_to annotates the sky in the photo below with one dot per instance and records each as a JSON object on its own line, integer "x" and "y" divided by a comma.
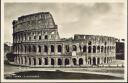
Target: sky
{"x": 72, "y": 18}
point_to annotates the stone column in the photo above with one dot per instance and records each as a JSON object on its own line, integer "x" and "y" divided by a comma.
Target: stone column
{"x": 84, "y": 61}
{"x": 63, "y": 49}
{"x": 56, "y": 53}
{"x": 56, "y": 61}
{"x": 49, "y": 61}
{"x": 20, "y": 61}
{"x": 49, "y": 50}
{"x": 32, "y": 62}
{"x": 77, "y": 62}
{"x": 63, "y": 61}
{"x": 37, "y": 49}
{"x": 71, "y": 62}
{"x": 37, "y": 61}
{"x": 42, "y": 49}
{"x": 42, "y": 61}
{"x": 23, "y": 60}
{"x": 96, "y": 60}
{"x": 87, "y": 49}
{"x": 91, "y": 61}
{"x": 27, "y": 63}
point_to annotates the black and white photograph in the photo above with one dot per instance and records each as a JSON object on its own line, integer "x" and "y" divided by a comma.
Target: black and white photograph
{"x": 62, "y": 41}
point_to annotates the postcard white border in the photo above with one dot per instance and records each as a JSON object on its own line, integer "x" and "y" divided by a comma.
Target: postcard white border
{"x": 58, "y": 1}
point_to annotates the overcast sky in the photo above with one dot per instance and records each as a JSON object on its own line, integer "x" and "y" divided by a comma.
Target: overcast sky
{"x": 72, "y": 18}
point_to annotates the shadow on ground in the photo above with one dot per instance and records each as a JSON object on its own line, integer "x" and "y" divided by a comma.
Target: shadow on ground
{"x": 57, "y": 75}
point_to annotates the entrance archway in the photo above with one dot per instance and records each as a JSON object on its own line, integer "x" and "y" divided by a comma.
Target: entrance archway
{"x": 40, "y": 61}
{"x": 89, "y": 49}
{"x": 84, "y": 48}
{"x": 34, "y": 61}
{"x": 66, "y": 61}
{"x": 105, "y": 60}
{"x": 80, "y": 61}
{"x": 98, "y": 60}
{"x": 46, "y": 61}
{"x": 59, "y": 62}
{"x": 59, "y": 48}
{"x": 52, "y": 48}
{"x": 52, "y": 61}
{"x": 74, "y": 61}
{"x": 94, "y": 61}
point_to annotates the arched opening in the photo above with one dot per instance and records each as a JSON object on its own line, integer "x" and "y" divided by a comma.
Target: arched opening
{"x": 29, "y": 61}
{"x": 45, "y": 61}
{"x": 98, "y": 60}
{"x": 45, "y": 48}
{"x": 98, "y": 49}
{"x": 52, "y": 61}
{"x": 89, "y": 43}
{"x": 29, "y": 48}
{"x": 39, "y": 37}
{"x": 105, "y": 60}
{"x": 102, "y": 48}
{"x": 94, "y": 61}
{"x": 66, "y": 61}
{"x": 59, "y": 62}
{"x": 25, "y": 59}
{"x": 46, "y": 37}
{"x": 34, "y": 37}
{"x": 59, "y": 48}
{"x": 34, "y": 61}
{"x": 21, "y": 60}
{"x": 94, "y": 49}
{"x": 84, "y": 48}
{"x": 105, "y": 49}
{"x": 40, "y": 61}
{"x": 21, "y": 48}
{"x": 67, "y": 48}
{"x": 34, "y": 48}
{"x": 52, "y": 48}
{"x": 25, "y": 48}
{"x": 74, "y": 61}
{"x": 89, "y": 49}
{"x": 80, "y": 61}
{"x": 74, "y": 48}
{"x": 39, "y": 48}
{"x": 108, "y": 49}
{"x": 105, "y": 43}
{"x": 17, "y": 48}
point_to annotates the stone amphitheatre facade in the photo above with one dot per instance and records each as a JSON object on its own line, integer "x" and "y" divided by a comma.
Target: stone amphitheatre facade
{"x": 36, "y": 43}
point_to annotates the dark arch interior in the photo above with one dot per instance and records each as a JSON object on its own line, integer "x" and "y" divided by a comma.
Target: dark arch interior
{"x": 80, "y": 61}
{"x": 74, "y": 61}
{"x": 46, "y": 61}
{"x": 52, "y": 48}
{"x": 66, "y": 61}
{"x": 52, "y": 61}
{"x": 59, "y": 62}
{"x": 59, "y": 48}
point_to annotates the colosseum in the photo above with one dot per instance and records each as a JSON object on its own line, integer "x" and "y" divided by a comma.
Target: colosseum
{"x": 36, "y": 43}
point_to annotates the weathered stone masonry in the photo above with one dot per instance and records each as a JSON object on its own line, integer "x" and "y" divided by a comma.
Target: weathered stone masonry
{"x": 36, "y": 43}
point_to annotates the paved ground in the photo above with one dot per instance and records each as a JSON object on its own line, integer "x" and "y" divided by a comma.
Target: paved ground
{"x": 116, "y": 72}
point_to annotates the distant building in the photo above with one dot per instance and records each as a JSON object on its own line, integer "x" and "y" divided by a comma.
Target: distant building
{"x": 36, "y": 43}
{"x": 7, "y": 49}
{"x": 120, "y": 50}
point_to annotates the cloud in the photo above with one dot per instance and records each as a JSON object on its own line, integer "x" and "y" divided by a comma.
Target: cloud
{"x": 72, "y": 18}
